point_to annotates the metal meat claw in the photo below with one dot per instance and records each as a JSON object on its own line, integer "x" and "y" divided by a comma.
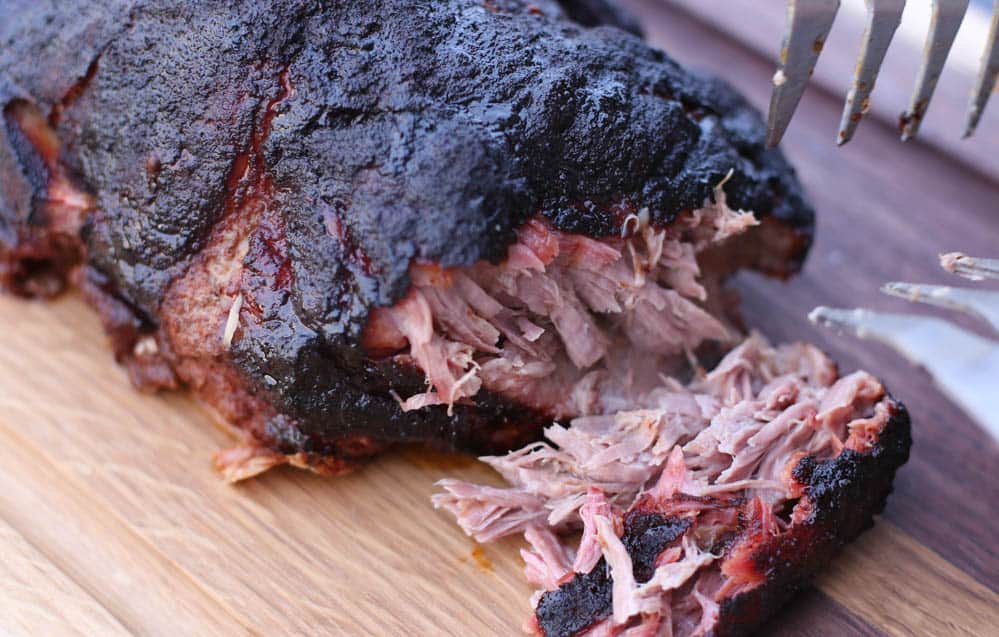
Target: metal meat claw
{"x": 808, "y": 25}
{"x": 963, "y": 364}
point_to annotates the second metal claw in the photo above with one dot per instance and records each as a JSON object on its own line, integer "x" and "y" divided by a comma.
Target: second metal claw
{"x": 965, "y": 365}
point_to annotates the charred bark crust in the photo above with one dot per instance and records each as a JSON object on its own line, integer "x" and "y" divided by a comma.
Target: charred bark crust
{"x": 587, "y": 598}
{"x": 846, "y": 493}
{"x": 411, "y": 129}
{"x": 843, "y": 495}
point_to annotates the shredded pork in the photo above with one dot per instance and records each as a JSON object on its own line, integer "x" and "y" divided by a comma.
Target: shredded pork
{"x": 733, "y": 431}
{"x": 599, "y": 333}
{"x": 715, "y": 450}
{"x": 645, "y": 446}
{"x": 566, "y": 324}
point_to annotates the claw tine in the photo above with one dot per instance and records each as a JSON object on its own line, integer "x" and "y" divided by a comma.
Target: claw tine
{"x": 963, "y": 364}
{"x": 921, "y": 338}
{"x": 883, "y": 17}
{"x": 946, "y": 20}
{"x": 808, "y": 24}
{"x": 974, "y": 268}
{"x": 986, "y": 81}
{"x": 981, "y": 303}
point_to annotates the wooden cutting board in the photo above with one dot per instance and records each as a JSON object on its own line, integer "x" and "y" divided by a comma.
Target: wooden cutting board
{"x": 112, "y": 520}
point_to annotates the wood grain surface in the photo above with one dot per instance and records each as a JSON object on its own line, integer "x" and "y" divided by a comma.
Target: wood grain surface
{"x": 112, "y": 520}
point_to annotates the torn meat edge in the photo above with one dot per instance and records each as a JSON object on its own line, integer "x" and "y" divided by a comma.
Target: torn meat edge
{"x": 564, "y": 318}
{"x": 678, "y": 536}
{"x": 716, "y": 455}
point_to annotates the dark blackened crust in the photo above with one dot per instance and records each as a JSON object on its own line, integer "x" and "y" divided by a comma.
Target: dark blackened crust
{"x": 48, "y": 58}
{"x": 586, "y": 598}
{"x": 42, "y": 207}
{"x": 39, "y": 265}
{"x": 491, "y": 426}
{"x": 592, "y": 13}
{"x": 372, "y": 133}
{"x": 846, "y": 493}
{"x": 589, "y": 126}
{"x": 332, "y": 407}
{"x": 577, "y": 604}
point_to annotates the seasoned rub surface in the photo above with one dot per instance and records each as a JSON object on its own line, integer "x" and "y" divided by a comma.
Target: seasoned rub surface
{"x": 291, "y": 160}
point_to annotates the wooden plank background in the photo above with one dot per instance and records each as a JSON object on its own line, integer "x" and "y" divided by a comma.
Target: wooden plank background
{"x": 113, "y": 522}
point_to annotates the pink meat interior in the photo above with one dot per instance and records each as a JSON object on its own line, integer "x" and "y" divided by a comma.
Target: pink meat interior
{"x": 717, "y": 453}
{"x": 566, "y": 324}
{"x": 605, "y": 336}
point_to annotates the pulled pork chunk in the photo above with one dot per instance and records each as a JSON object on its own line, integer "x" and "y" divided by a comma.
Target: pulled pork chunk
{"x": 305, "y": 214}
{"x": 704, "y": 497}
{"x": 685, "y": 483}
{"x": 674, "y": 500}
{"x": 566, "y": 324}
{"x": 702, "y": 439}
